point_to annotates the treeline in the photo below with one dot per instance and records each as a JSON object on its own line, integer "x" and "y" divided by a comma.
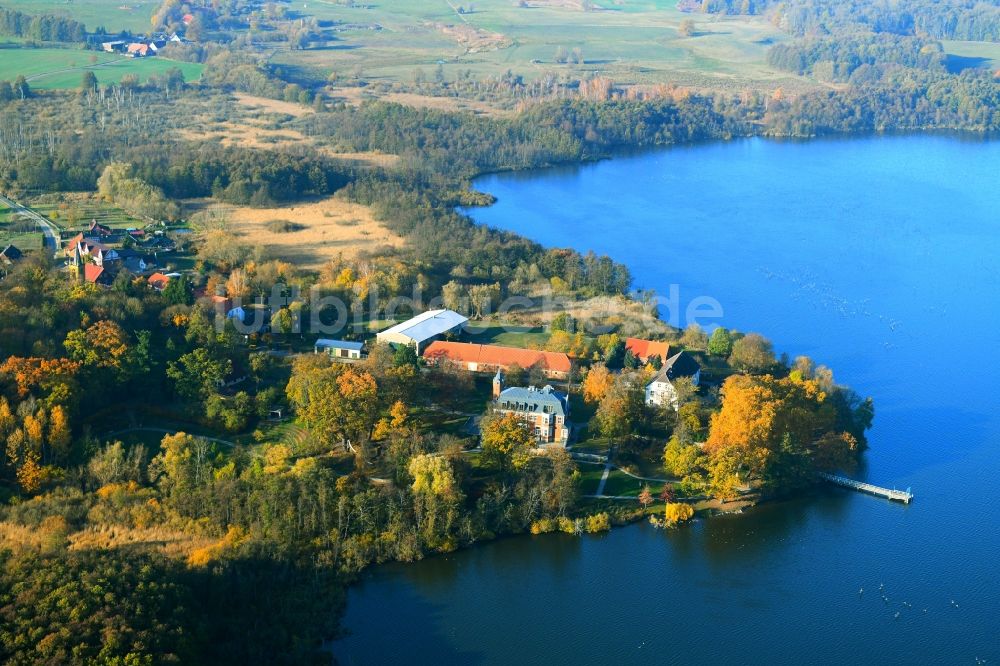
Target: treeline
{"x": 44, "y": 28}
{"x": 940, "y": 19}
{"x": 839, "y": 58}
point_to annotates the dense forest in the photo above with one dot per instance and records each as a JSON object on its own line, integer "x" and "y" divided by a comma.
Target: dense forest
{"x": 972, "y": 20}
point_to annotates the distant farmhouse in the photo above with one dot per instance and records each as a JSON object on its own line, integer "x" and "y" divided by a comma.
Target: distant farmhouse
{"x": 423, "y": 329}
{"x": 545, "y": 410}
{"x": 660, "y": 391}
{"x": 339, "y": 349}
{"x": 490, "y": 358}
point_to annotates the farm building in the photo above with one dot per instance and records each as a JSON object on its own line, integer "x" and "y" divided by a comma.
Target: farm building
{"x": 339, "y": 348}
{"x": 423, "y": 329}
{"x": 490, "y": 358}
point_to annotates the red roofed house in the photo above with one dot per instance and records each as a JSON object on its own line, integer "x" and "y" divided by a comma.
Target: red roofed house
{"x": 95, "y": 274}
{"x": 187, "y": 19}
{"x": 138, "y": 50}
{"x": 490, "y": 358}
{"x": 158, "y": 281}
{"x": 99, "y": 229}
{"x": 646, "y": 349}
{"x": 79, "y": 248}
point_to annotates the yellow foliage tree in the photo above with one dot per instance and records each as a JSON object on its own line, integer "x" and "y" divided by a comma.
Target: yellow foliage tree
{"x": 678, "y": 512}
{"x": 597, "y": 383}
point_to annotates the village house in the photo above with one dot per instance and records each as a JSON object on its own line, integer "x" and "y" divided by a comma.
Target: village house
{"x": 98, "y": 275}
{"x": 490, "y": 358}
{"x": 647, "y": 349}
{"x": 339, "y": 349}
{"x": 9, "y": 255}
{"x": 545, "y": 410}
{"x": 660, "y": 391}
{"x": 423, "y": 329}
{"x": 139, "y": 50}
{"x": 159, "y": 281}
{"x": 98, "y": 230}
{"x": 81, "y": 250}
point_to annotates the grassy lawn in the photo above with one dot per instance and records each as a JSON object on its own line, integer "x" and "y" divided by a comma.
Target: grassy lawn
{"x": 113, "y": 15}
{"x": 630, "y": 42}
{"x": 505, "y": 335}
{"x": 590, "y": 477}
{"x": 21, "y": 238}
{"x": 50, "y": 68}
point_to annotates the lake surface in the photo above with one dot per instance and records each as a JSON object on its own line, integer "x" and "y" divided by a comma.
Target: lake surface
{"x": 876, "y": 256}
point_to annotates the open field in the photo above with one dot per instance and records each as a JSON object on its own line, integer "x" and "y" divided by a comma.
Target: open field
{"x": 963, "y": 55}
{"x": 51, "y": 68}
{"x": 113, "y": 15}
{"x": 72, "y": 210}
{"x": 260, "y": 123}
{"x": 331, "y": 227}
{"x": 630, "y": 41}
{"x": 23, "y": 239}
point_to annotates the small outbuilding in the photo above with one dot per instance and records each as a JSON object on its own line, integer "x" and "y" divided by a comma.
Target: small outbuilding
{"x": 339, "y": 348}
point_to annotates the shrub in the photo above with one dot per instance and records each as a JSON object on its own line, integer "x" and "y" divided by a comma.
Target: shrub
{"x": 283, "y": 226}
{"x": 599, "y": 522}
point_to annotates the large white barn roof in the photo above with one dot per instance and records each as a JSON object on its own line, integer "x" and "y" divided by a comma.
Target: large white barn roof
{"x": 428, "y": 324}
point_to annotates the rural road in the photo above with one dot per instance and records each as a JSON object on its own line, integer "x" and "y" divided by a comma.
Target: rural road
{"x": 48, "y": 229}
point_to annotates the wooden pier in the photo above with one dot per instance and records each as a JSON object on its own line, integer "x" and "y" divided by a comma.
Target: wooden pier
{"x": 893, "y": 494}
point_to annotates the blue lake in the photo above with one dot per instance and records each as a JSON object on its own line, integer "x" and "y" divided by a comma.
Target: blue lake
{"x": 875, "y": 256}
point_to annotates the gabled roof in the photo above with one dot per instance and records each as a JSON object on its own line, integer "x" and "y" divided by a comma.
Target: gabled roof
{"x": 158, "y": 281}
{"x": 464, "y": 352}
{"x": 644, "y": 349}
{"x": 427, "y": 325}
{"x": 324, "y": 343}
{"x": 532, "y": 400}
{"x": 677, "y": 366}
{"x": 141, "y": 49}
{"x": 10, "y": 254}
{"x": 92, "y": 273}
{"x": 97, "y": 227}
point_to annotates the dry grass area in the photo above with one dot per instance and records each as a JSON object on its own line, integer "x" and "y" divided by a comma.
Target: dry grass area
{"x": 626, "y": 317}
{"x": 444, "y": 103}
{"x": 248, "y": 135}
{"x": 475, "y": 40}
{"x": 272, "y": 105}
{"x": 170, "y": 542}
{"x": 331, "y": 227}
{"x": 20, "y": 537}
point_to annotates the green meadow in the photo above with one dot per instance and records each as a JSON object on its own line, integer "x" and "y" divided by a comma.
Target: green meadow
{"x": 113, "y": 15}
{"x": 50, "y": 68}
{"x": 630, "y": 41}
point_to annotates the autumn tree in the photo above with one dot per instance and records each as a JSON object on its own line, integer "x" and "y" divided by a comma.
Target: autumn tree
{"x": 597, "y": 383}
{"x": 507, "y": 441}
{"x": 753, "y": 353}
{"x": 621, "y": 410}
{"x": 198, "y": 374}
{"x": 338, "y": 402}
{"x": 678, "y": 512}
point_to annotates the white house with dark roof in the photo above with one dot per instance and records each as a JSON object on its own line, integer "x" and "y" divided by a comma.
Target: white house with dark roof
{"x": 660, "y": 391}
{"x": 545, "y": 410}
{"x": 423, "y": 329}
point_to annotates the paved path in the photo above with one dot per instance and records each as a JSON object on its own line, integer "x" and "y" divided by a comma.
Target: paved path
{"x": 604, "y": 477}
{"x": 48, "y": 229}
{"x": 165, "y": 431}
